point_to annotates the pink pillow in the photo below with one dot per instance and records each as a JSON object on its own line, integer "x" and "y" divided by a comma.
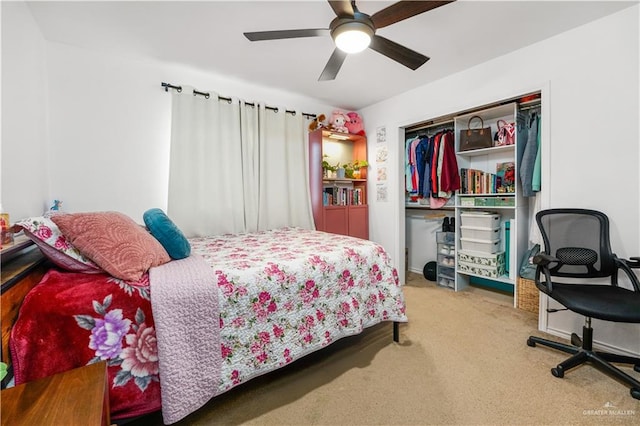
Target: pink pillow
{"x": 46, "y": 235}
{"x": 114, "y": 241}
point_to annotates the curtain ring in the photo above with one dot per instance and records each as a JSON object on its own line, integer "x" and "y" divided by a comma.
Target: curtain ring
{"x": 179, "y": 89}
{"x": 229, "y": 101}
{"x": 275, "y": 110}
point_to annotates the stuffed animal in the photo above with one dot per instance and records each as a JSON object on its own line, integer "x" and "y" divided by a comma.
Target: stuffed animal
{"x": 318, "y": 123}
{"x": 338, "y": 120}
{"x": 355, "y": 124}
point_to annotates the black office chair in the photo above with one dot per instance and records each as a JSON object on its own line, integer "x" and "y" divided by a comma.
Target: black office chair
{"x": 577, "y": 247}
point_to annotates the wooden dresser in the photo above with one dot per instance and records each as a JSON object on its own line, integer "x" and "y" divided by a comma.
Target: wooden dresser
{"x": 75, "y": 397}
{"x": 23, "y": 266}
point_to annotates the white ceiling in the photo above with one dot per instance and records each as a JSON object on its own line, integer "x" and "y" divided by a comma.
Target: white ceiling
{"x": 208, "y": 35}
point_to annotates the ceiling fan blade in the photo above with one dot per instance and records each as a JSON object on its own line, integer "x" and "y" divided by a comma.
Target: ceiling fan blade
{"x": 342, "y": 8}
{"x": 407, "y": 57}
{"x": 277, "y": 35}
{"x": 403, "y": 10}
{"x": 330, "y": 70}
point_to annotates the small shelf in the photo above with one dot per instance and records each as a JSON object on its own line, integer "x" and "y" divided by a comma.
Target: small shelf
{"x": 340, "y": 136}
{"x": 487, "y": 207}
{"x": 503, "y": 278}
{"x": 489, "y": 194}
{"x": 486, "y": 151}
{"x": 329, "y": 180}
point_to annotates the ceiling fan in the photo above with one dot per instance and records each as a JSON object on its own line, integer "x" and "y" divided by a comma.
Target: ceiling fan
{"x": 354, "y": 31}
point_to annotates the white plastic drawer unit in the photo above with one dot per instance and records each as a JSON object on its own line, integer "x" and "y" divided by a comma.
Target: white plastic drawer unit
{"x": 480, "y": 233}
{"x": 483, "y": 246}
{"x": 484, "y": 220}
{"x": 445, "y": 237}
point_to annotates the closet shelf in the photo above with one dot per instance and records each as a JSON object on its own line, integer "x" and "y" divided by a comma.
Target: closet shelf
{"x": 486, "y": 151}
{"x": 342, "y": 180}
{"x": 489, "y": 194}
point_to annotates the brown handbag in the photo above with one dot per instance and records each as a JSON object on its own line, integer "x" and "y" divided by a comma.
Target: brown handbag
{"x": 475, "y": 138}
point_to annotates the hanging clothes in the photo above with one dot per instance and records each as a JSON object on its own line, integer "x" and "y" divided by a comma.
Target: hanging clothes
{"x": 422, "y": 149}
{"x": 426, "y": 182}
{"x": 527, "y": 163}
{"x": 410, "y": 184}
{"x": 431, "y": 167}
{"x": 450, "y": 174}
{"x": 536, "y": 181}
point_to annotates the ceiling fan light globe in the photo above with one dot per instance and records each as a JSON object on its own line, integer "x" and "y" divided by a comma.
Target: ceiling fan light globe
{"x": 352, "y": 37}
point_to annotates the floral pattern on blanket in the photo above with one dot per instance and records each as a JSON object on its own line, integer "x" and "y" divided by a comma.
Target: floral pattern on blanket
{"x": 137, "y": 361}
{"x": 73, "y": 319}
{"x": 288, "y": 292}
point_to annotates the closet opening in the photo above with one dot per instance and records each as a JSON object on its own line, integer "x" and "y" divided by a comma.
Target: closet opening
{"x": 472, "y": 182}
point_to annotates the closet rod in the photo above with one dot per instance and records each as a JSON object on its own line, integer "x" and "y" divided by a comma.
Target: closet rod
{"x": 522, "y": 108}
{"x": 429, "y": 125}
{"x": 168, "y": 86}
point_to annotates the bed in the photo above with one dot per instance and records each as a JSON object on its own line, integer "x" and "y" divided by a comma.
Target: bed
{"x": 238, "y": 306}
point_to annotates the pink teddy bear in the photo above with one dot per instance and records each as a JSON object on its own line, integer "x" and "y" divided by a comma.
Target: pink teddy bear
{"x": 338, "y": 121}
{"x": 354, "y": 124}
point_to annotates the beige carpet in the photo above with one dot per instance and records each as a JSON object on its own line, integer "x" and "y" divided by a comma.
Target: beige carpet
{"x": 462, "y": 360}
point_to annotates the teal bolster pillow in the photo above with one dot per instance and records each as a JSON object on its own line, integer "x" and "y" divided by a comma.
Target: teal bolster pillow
{"x": 169, "y": 235}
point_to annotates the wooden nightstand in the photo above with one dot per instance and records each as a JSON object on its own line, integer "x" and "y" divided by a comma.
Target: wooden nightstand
{"x": 75, "y": 397}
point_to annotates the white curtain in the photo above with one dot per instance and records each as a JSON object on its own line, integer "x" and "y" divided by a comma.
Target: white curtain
{"x": 205, "y": 172}
{"x": 236, "y": 167}
{"x": 284, "y": 198}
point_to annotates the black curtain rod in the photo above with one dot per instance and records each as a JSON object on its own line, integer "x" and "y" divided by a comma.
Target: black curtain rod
{"x": 168, "y": 86}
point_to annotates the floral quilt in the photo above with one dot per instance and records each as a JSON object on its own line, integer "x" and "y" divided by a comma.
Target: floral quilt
{"x": 282, "y": 294}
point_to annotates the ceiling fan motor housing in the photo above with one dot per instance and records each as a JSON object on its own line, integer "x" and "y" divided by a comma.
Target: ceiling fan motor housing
{"x": 359, "y": 22}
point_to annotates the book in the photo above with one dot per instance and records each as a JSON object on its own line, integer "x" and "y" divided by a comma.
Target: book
{"x": 507, "y": 175}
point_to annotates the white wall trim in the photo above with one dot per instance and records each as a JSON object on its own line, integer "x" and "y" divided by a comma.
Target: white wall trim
{"x": 597, "y": 345}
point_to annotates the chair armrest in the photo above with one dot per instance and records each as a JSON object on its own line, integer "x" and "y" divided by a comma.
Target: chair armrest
{"x": 626, "y": 266}
{"x": 633, "y": 262}
{"x": 542, "y": 260}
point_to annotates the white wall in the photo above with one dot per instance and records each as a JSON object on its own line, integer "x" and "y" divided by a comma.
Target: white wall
{"x": 110, "y": 126}
{"x": 590, "y": 137}
{"x": 24, "y": 148}
{"x": 109, "y": 122}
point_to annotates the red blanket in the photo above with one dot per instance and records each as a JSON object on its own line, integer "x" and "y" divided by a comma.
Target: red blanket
{"x": 101, "y": 318}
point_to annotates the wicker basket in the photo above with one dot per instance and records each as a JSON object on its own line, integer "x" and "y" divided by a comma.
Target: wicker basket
{"x": 528, "y": 295}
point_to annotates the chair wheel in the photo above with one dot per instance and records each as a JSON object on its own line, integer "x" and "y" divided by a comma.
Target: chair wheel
{"x": 635, "y": 393}
{"x": 531, "y": 343}
{"x": 557, "y": 372}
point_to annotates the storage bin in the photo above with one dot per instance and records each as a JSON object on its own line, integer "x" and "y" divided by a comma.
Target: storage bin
{"x": 528, "y": 295}
{"x": 483, "y": 246}
{"x": 467, "y": 201}
{"x": 446, "y": 260}
{"x": 445, "y": 237}
{"x": 484, "y": 201}
{"x": 487, "y": 259}
{"x": 444, "y": 271}
{"x": 480, "y": 219}
{"x": 505, "y": 201}
{"x": 478, "y": 233}
{"x": 482, "y": 270}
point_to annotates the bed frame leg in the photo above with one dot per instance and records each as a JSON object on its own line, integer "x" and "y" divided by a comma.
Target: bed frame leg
{"x": 396, "y": 332}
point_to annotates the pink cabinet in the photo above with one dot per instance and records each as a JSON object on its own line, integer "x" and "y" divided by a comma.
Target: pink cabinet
{"x": 339, "y": 204}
